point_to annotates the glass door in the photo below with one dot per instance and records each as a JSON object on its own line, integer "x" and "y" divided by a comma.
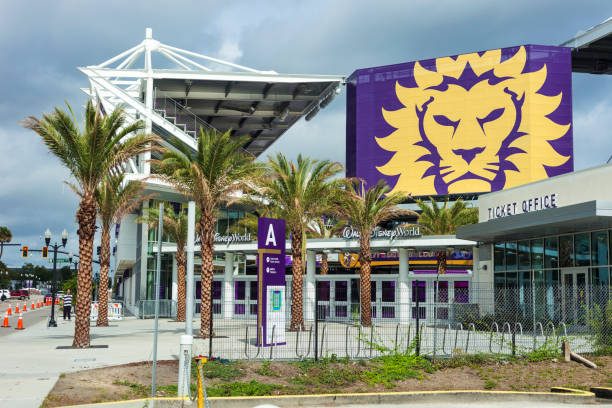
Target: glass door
{"x": 575, "y": 296}
{"x": 340, "y": 304}
{"x": 323, "y": 290}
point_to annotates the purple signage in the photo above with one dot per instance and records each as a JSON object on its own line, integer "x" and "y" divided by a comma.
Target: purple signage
{"x": 271, "y": 299}
{"x": 468, "y": 123}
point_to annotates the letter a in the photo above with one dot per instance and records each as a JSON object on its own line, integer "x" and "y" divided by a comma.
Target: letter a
{"x": 270, "y": 237}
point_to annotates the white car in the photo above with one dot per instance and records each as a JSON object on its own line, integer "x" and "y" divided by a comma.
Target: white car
{"x": 5, "y": 294}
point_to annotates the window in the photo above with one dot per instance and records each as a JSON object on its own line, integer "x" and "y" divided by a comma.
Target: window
{"x": 599, "y": 248}
{"x": 499, "y": 257}
{"x": 510, "y": 256}
{"x": 523, "y": 255}
{"x": 582, "y": 249}
{"x": 388, "y": 291}
{"x": 551, "y": 253}
{"x": 462, "y": 292}
{"x": 537, "y": 253}
{"x": 566, "y": 251}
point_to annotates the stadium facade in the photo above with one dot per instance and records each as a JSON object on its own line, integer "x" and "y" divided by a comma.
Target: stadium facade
{"x": 493, "y": 121}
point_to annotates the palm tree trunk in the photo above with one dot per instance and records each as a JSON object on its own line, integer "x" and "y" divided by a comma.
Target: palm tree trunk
{"x": 297, "y": 282}
{"x": 324, "y": 264}
{"x": 365, "y": 259}
{"x": 207, "y": 230}
{"x": 180, "y": 266}
{"x": 441, "y": 262}
{"x": 103, "y": 284}
{"x": 86, "y": 217}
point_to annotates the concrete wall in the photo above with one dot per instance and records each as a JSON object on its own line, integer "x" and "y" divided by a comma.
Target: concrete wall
{"x": 126, "y": 243}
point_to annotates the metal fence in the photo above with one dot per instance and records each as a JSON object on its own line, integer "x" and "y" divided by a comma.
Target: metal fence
{"x": 146, "y": 308}
{"x": 446, "y": 322}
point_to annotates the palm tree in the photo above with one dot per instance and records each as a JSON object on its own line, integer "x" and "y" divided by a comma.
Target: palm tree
{"x": 114, "y": 199}
{"x": 325, "y": 228}
{"x": 300, "y": 193}
{"x": 366, "y": 209}
{"x": 216, "y": 174}
{"x": 175, "y": 225}
{"x": 104, "y": 144}
{"x": 436, "y": 220}
{"x": 5, "y": 237}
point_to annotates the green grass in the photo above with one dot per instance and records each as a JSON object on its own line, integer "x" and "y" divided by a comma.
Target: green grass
{"x": 215, "y": 369}
{"x": 389, "y": 369}
{"x": 236, "y": 389}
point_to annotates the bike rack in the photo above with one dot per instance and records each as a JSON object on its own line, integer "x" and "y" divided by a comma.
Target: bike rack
{"x": 246, "y": 344}
{"x": 504, "y": 332}
{"x": 457, "y": 335}
{"x": 491, "y": 337}
{"x": 535, "y": 335}
{"x": 520, "y": 326}
{"x": 444, "y": 339}
{"x": 301, "y": 356}
{"x": 272, "y": 343}
{"x": 408, "y": 340}
{"x": 395, "y": 347}
{"x": 467, "y": 340}
{"x": 564, "y": 328}
{"x": 553, "y": 331}
{"x": 323, "y": 332}
{"x": 371, "y": 339}
{"x": 346, "y": 338}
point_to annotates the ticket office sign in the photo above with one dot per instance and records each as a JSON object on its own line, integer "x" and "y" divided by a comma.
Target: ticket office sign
{"x": 271, "y": 295}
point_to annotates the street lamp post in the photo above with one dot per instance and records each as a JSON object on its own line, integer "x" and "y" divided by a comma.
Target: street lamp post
{"x": 55, "y": 248}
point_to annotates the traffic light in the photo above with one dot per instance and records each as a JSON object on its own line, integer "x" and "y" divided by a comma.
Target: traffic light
{"x": 24, "y": 251}
{"x": 45, "y": 252}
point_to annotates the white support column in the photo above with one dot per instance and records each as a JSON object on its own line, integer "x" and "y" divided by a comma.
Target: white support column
{"x": 309, "y": 285}
{"x": 404, "y": 286}
{"x": 146, "y": 165}
{"x": 144, "y": 254}
{"x": 174, "y": 279}
{"x": 228, "y": 283}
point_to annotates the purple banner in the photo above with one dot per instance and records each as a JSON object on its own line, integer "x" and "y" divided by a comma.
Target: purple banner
{"x": 469, "y": 123}
{"x": 271, "y": 300}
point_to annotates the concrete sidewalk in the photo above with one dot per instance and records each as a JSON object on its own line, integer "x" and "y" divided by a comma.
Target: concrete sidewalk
{"x": 31, "y": 363}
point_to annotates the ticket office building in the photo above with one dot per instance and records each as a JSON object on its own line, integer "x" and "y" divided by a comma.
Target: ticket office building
{"x": 550, "y": 246}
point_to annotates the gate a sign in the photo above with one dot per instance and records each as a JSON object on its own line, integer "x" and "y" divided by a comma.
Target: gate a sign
{"x": 271, "y": 299}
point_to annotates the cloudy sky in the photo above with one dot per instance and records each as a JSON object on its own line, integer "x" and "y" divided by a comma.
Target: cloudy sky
{"x": 42, "y": 43}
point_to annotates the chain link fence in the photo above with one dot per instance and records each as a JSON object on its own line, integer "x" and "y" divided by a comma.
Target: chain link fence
{"x": 444, "y": 323}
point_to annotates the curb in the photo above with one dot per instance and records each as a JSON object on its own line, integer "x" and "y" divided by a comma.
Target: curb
{"x": 602, "y": 392}
{"x": 557, "y": 395}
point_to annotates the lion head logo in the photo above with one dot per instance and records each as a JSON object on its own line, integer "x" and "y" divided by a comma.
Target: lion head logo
{"x": 476, "y": 124}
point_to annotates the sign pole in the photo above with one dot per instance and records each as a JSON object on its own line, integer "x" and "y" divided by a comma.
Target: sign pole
{"x": 184, "y": 374}
{"x": 160, "y": 233}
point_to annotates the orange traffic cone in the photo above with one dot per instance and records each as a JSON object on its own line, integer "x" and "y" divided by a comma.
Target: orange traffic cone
{"x": 17, "y": 308}
{"x": 5, "y": 322}
{"x": 25, "y": 306}
{"x": 20, "y": 322}
{"x": 33, "y": 306}
{"x": 9, "y": 311}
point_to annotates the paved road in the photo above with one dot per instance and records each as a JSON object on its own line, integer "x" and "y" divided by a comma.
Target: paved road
{"x": 30, "y": 319}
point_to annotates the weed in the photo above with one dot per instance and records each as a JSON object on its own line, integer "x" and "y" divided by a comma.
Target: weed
{"x": 266, "y": 370}
{"x": 215, "y": 369}
{"x": 237, "y": 389}
{"x": 396, "y": 367}
{"x": 62, "y": 375}
{"x": 138, "y": 389}
{"x": 489, "y": 384}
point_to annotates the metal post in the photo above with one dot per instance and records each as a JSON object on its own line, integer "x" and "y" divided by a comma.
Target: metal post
{"x": 316, "y": 323}
{"x": 189, "y": 278}
{"x": 52, "y": 322}
{"x": 160, "y": 233}
{"x": 187, "y": 339}
{"x": 210, "y": 325}
{"x": 533, "y": 310}
{"x": 418, "y": 320}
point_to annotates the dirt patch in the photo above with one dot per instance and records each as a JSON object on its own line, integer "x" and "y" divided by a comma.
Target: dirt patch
{"x": 256, "y": 378}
